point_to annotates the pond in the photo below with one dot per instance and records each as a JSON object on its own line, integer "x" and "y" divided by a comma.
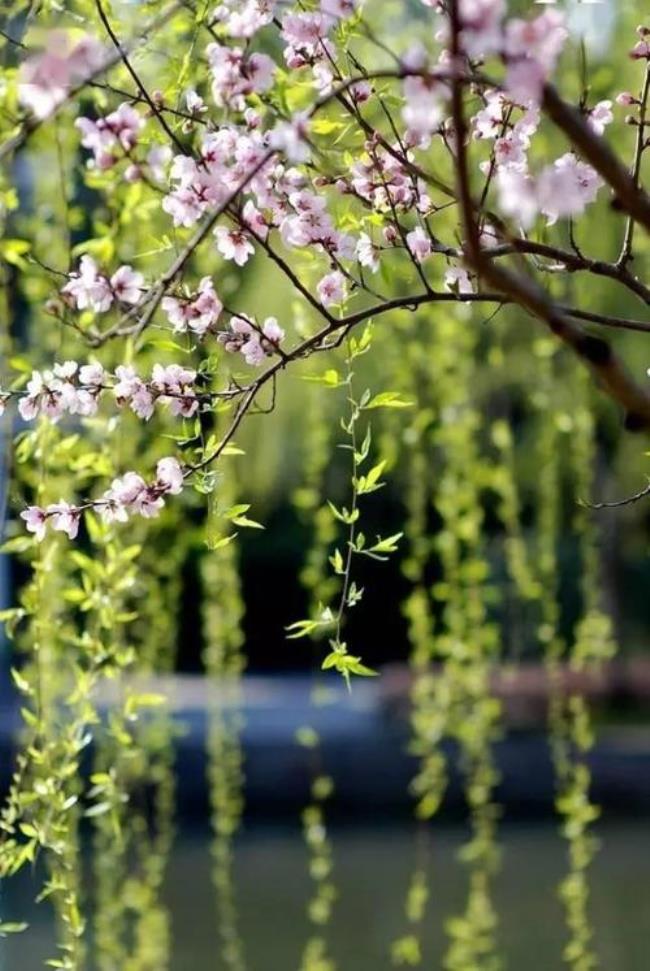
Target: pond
{"x": 372, "y": 872}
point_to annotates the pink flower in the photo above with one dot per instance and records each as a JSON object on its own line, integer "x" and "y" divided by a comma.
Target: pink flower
{"x": 423, "y": 110}
{"x": 233, "y": 244}
{"x": 525, "y": 81}
{"x": 173, "y": 384}
{"x": 566, "y": 187}
{"x": 626, "y": 98}
{"x": 273, "y": 334}
{"x": 511, "y": 150}
{"x": 35, "y": 521}
{"x": 481, "y": 21}
{"x": 236, "y": 74}
{"x": 243, "y": 18}
{"x": 196, "y": 313}
{"x": 488, "y": 121}
{"x": 367, "y": 253}
{"x": 169, "y": 475}
{"x": 89, "y": 288}
{"x": 45, "y": 79}
{"x": 332, "y": 289}
{"x": 641, "y": 51}
{"x": 51, "y": 394}
{"x": 254, "y": 219}
{"x": 457, "y": 280}
{"x": 290, "y": 137}
{"x": 253, "y": 342}
{"x": 125, "y": 123}
{"x": 195, "y": 103}
{"x": 142, "y": 403}
{"x": 65, "y": 518}
{"x": 419, "y": 244}
{"x": 128, "y": 382}
{"x": 517, "y": 195}
{"x": 541, "y": 39}
{"x": 126, "y": 284}
{"x": 184, "y": 206}
{"x": 92, "y": 374}
{"x": 158, "y": 159}
{"x": 600, "y": 116}
{"x": 339, "y": 9}
{"x": 306, "y": 37}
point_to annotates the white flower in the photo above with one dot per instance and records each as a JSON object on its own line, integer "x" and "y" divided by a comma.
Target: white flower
{"x": 332, "y": 288}
{"x": 127, "y": 284}
{"x": 419, "y": 244}
{"x": 457, "y": 280}
{"x": 170, "y": 475}
{"x": 233, "y": 244}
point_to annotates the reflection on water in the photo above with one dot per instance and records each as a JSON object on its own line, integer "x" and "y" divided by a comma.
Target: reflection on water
{"x": 372, "y": 871}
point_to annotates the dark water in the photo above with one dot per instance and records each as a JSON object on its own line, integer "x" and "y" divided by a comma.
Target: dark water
{"x": 372, "y": 867}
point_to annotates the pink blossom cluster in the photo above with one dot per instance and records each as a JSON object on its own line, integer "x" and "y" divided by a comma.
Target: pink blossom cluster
{"x": 75, "y": 390}
{"x": 171, "y": 385}
{"x": 127, "y": 495}
{"x": 67, "y": 388}
{"x": 195, "y": 313}
{"x": 46, "y": 79}
{"x": 236, "y": 74}
{"x": 90, "y": 289}
{"x": 308, "y": 44}
{"x": 332, "y": 288}
{"x": 381, "y": 179}
{"x": 531, "y": 49}
{"x": 243, "y": 18}
{"x": 254, "y": 342}
{"x": 228, "y": 159}
{"x": 564, "y": 188}
{"x": 112, "y": 137}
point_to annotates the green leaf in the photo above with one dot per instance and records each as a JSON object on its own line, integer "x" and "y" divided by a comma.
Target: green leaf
{"x": 388, "y": 399}
{"x": 13, "y": 250}
{"x": 370, "y": 482}
{"x": 337, "y": 562}
{"x": 12, "y": 927}
{"x": 387, "y": 545}
{"x": 247, "y": 523}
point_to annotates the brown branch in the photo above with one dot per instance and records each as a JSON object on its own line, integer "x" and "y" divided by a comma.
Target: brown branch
{"x": 124, "y": 57}
{"x": 594, "y": 352}
{"x": 626, "y": 251}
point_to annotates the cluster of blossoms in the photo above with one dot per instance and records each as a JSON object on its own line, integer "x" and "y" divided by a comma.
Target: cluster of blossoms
{"x": 253, "y": 341}
{"x": 563, "y": 188}
{"x": 89, "y": 289}
{"x": 74, "y": 390}
{"x": 45, "y": 80}
{"x": 196, "y": 312}
{"x": 112, "y": 137}
{"x": 172, "y": 386}
{"x": 246, "y": 171}
{"x": 306, "y": 35}
{"x": 237, "y": 74}
{"x": 380, "y": 178}
{"x": 243, "y": 18}
{"x": 127, "y": 495}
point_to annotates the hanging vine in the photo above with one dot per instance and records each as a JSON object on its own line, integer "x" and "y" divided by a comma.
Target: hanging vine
{"x": 224, "y": 663}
